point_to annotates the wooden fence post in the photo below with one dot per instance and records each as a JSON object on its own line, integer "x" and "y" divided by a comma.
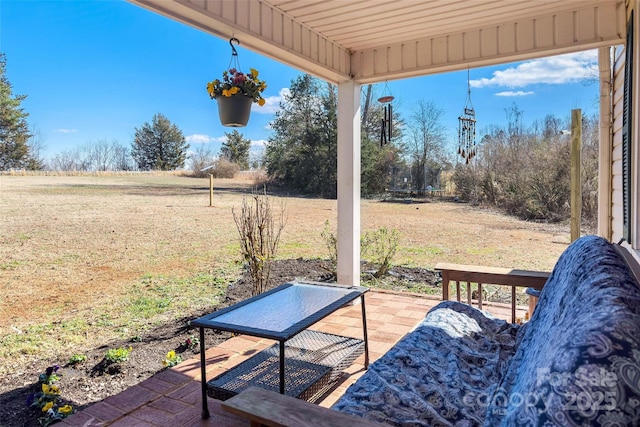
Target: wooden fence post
{"x": 210, "y": 189}
{"x": 576, "y": 187}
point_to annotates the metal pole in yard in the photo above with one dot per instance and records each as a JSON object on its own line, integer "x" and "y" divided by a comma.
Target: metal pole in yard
{"x": 576, "y": 188}
{"x": 210, "y": 189}
{"x": 210, "y": 182}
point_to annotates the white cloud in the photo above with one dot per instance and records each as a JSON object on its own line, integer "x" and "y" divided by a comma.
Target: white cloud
{"x": 272, "y": 104}
{"x": 198, "y": 138}
{"x": 259, "y": 143}
{"x": 515, "y": 93}
{"x": 65, "y": 130}
{"x": 562, "y": 69}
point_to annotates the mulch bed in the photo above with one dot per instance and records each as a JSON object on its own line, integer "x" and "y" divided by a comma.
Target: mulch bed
{"x": 93, "y": 380}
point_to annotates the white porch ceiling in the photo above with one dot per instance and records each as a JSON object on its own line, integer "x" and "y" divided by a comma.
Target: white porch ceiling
{"x": 377, "y": 40}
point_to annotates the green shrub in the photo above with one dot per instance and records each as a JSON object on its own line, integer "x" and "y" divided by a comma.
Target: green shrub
{"x": 117, "y": 355}
{"x": 331, "y": 242}
{"x": 382, "y": 244}
{"x": 76, "y": 359}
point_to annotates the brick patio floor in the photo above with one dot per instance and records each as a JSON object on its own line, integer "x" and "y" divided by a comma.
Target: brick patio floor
{"x": 172, "y": 397}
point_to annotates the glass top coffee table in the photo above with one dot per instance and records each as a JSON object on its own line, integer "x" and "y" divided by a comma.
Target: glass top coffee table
{"x": 303, "y": 363}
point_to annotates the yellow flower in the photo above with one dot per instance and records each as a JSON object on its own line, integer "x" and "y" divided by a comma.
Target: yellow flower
{"x": 171, "y": 354}
{"x": 225, "y": 92}
{"x": 234, "y": 90}
{"x": 66, "y": 409}
{"x": 211, "y": 88}
{"x": 261, "y": 102}
{"x": 48, "y": 406}
{"x": 254, "y": 73}
{"x": 50, "y": 389}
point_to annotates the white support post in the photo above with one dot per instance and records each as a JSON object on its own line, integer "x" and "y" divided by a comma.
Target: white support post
{"x": 635, "y": 133}
{"x": 605, "y": 145}
{"x": 349, "y": 183}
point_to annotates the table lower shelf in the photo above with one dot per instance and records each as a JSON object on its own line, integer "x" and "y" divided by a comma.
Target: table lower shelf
{"x": 313, "y": 362}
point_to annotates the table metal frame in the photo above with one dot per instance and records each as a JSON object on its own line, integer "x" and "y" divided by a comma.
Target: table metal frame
{"x": 209, "y": 322}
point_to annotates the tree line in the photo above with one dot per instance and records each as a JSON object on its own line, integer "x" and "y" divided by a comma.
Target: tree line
{"x": 523, "y": 170}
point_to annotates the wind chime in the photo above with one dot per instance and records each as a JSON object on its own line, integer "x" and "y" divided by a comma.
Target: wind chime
{"x": 386, "y": 121}
{"x": 467, "y": 128}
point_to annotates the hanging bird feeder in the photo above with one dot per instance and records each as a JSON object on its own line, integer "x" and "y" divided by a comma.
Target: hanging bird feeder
{"x": 467, "y": 128}
{"x": 386, "y": 129}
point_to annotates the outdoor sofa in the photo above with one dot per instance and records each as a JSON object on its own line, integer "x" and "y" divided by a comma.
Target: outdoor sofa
{"x": 575, "y": 363}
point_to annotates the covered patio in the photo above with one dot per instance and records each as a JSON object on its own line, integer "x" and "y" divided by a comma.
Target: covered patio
{"x": 370, "y": 41}
{"x": 172, "y": 397}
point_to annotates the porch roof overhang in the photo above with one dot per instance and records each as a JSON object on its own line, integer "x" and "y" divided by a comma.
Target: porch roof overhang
{"x": 377, "y": 40}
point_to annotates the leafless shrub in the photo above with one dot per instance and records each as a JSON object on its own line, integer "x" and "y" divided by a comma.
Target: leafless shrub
{"x": 225, "y": 169}
{"x": 201, "y": 158}
{"x": 259, "y": 229}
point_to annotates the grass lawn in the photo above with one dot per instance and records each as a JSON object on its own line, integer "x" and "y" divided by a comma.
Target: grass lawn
{"x": 88, "y": 259}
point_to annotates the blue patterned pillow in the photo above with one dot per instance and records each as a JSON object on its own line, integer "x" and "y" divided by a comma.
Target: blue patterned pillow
{"x": 578, "y": 359}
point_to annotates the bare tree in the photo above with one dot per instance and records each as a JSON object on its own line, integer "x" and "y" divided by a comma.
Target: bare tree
{"x": 36, "y": 146}
{"x": 259, "y": 229}
{"x": 101, "y": 156}
{"x": 201, "y": 158}
{"x": 425, "y": 142}
{"x": 63, "y": 161}
{"x": 122, "y": 160}
{"x": 94, "y": 156}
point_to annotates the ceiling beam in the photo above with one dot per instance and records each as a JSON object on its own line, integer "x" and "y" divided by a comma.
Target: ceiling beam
{"x": 581, "y": 29}
{"x": 273, "y": 32}
{"x": 264, "y": 29}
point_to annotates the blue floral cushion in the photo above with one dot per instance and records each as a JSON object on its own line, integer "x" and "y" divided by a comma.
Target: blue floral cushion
{"x": 578, "y": 359}
{"x": 430, "y": 377}
{"x": 575, "y": 363}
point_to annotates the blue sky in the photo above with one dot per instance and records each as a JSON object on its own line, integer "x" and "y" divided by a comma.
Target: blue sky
{"x": 96, "y": 70}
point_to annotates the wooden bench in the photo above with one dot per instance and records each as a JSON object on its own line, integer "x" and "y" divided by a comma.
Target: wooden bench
{"x": 265, "y": 408}
{"x": 491, "y": 276}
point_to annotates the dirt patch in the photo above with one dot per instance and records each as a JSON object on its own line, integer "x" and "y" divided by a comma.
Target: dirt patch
{"x": 93, "y": 380}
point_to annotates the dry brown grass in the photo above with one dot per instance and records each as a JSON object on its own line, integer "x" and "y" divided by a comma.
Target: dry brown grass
{"x": 72, "y": 247}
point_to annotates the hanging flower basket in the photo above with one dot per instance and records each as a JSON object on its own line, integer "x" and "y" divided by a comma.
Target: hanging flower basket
{"x": 236, "y": 92}
{"x": 234, "y": 110}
